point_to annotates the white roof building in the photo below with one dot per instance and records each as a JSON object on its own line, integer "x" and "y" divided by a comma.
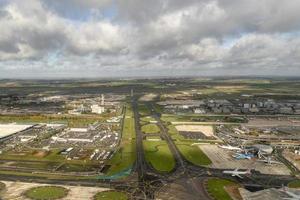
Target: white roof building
{"x": 97, "y": 109}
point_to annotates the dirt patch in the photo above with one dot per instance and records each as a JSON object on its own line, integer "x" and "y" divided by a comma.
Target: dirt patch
{"x": 15, "y": 190}
{"x": 233, "y": 191}
{"x": 208, "y": 131}
{"x": 40, "y": 154}
{"x": 148, "y": 97}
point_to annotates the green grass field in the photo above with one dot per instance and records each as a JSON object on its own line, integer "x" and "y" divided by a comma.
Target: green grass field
{"x": 158, "y": 108}
{"x": 46, "y": 193}
{"x": 54, "y": 158}
{"x": 143, "y": 110}
{"x": 294, "y": 184}
{"x": 153, "y": 137}
{"x": 111, "y": 195}
{"x": 150, "y": 128}
{"x": 193, "y": 154}
{"x": 174, "y": 133}
{"x": 215, "y": 187}
{"x": 147, "y": 119}
{"x": 128, "y": 126}
{"x": 125, "y": 157}
{"x": 158, "y": 154}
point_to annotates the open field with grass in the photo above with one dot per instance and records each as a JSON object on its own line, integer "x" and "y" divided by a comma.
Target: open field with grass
{"x": 150, "y": 128}
{"x": 125, "y": 156}
{"x": 294, "y": 184}
{"x": 147, "y": 119}
{"x": 15, "y": 190}
{"x": 128, "y": 126}
{"x": 46, "y": 193}
{"x": 50, "y": 176}
{"x": 111, "y": 195}
{"x": 53, "y": 161}
{"x": 158, "y": 108}
{"x": 174, "y": 133}
{"x": 123, "y": 159}
{"x": 153, "y": 138}
{"x": 143, "y": 110}
{"x": 193, "y": 153}
{"x": 158, "y": 154}
{"x": 29, "y": 158}
{"x": 216, "y": 188}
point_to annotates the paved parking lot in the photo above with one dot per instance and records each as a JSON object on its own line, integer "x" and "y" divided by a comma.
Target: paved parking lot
{"x": 223, "y": 159}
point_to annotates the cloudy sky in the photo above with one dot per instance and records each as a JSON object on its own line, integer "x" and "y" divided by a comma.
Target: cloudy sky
{"x": 122, "y": 38}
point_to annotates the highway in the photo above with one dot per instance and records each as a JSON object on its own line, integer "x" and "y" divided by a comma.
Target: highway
{"x": 140, "y": 163}
{"x": 180, "y": 162}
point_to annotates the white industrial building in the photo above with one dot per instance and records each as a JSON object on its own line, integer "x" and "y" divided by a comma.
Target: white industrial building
{"x": 97, "y": 109}
{"x": 9, "y": 129}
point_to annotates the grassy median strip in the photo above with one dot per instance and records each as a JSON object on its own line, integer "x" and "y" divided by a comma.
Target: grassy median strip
{"x": 150, "y": 128}
{"x": 193, "y": 153}
{"x": 174, "y": 133}
{"x": 123, "y": 159}
{"x": 158, "y": 154}
{"x": 125, "y": 156}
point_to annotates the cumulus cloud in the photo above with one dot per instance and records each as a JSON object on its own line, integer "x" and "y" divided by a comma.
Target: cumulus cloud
{"x": 139, "y": 37}
{"x": 32, "y": 31}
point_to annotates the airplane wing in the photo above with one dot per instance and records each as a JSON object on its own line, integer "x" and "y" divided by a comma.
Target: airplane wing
{"x": 269, "y": 161}
{"x": 265, "y": 161}
{"x": 239, "y": 176}
{"x": 275, "y": 162}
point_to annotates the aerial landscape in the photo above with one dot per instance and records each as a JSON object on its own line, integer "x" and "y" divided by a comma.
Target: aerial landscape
{"x": 175, "y": 138}
{"x": 149, "y": 100}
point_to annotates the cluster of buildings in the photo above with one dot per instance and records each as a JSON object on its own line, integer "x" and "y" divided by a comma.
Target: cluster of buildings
{"x": 30, "y": 104}
{"x": 97, "y": 105}
{"x": 17, "y": 135}
{"x": 237, "y": 106}
{"x": 271, "y": 193}
{"x": 97, "y": 142}
{"x": 59, "y": 104}
{"x": 87, "y": 106}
